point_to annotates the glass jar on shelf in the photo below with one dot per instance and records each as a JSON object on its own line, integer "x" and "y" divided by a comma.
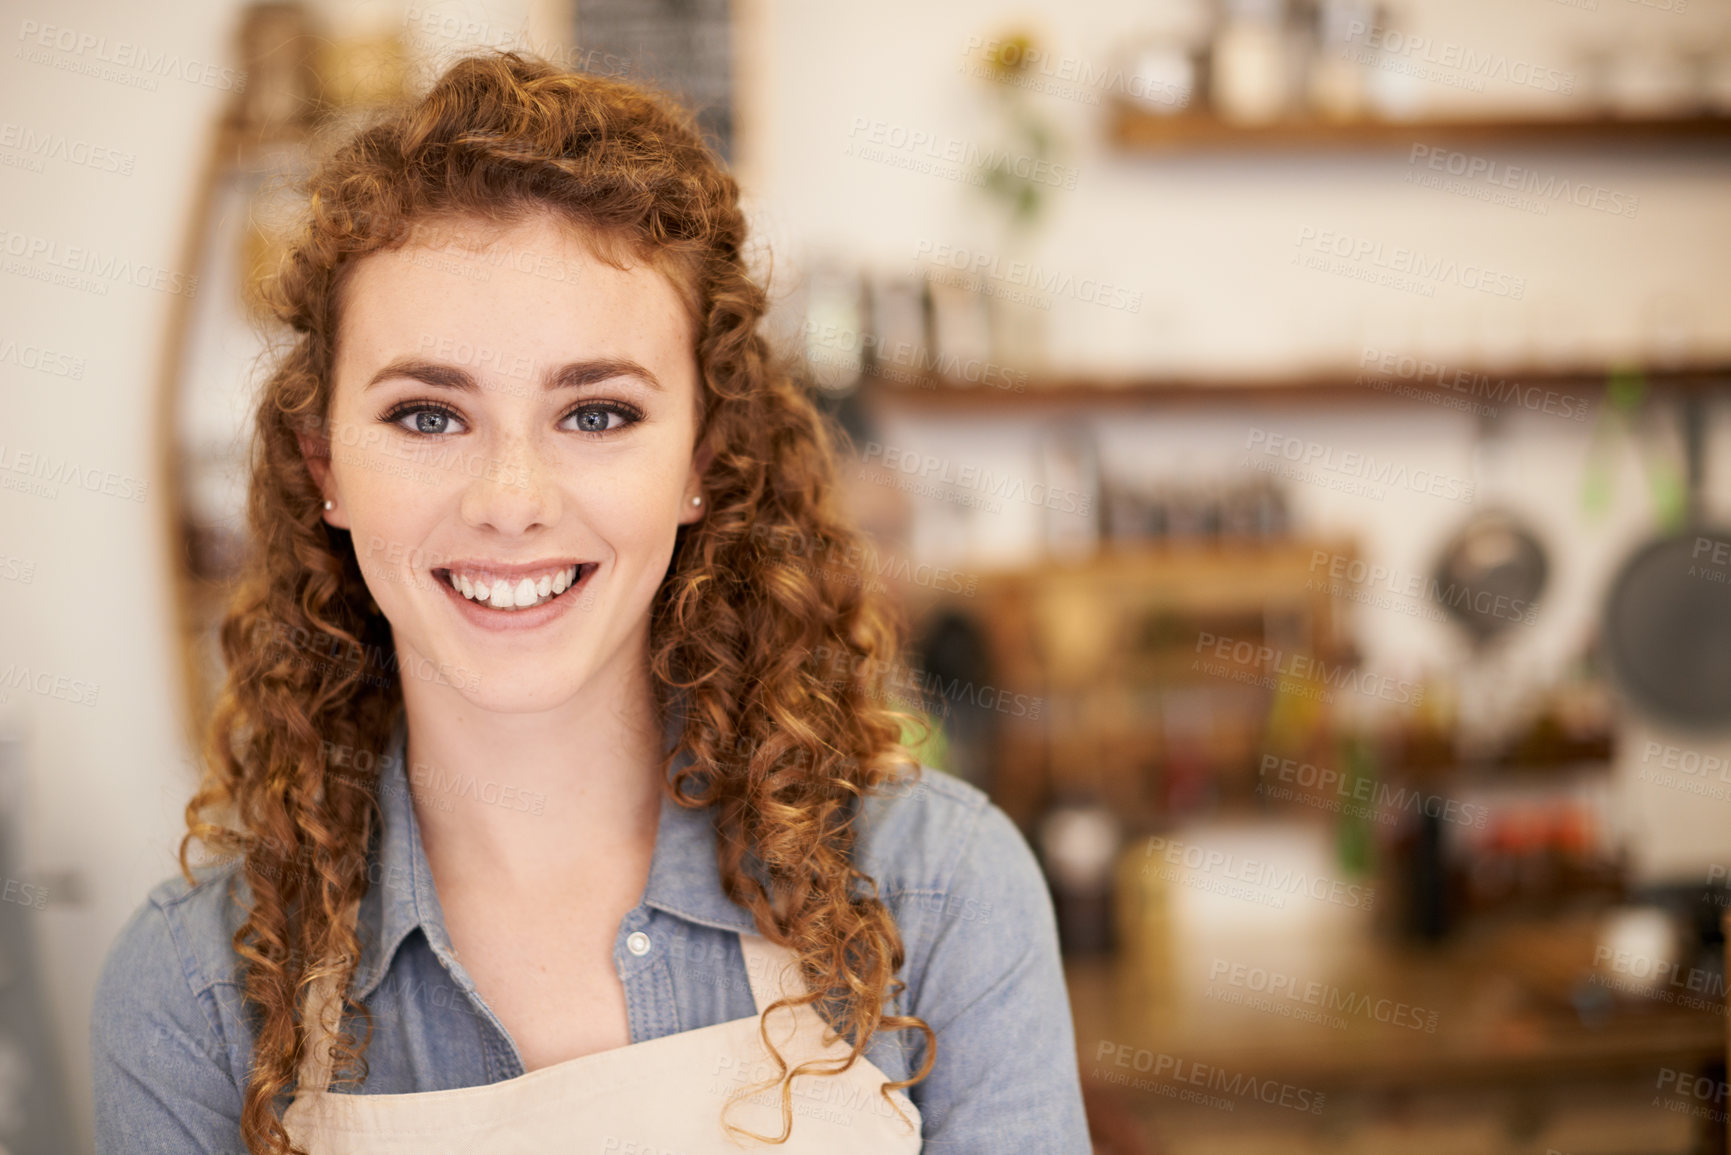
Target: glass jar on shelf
{"x": 1335, "y": 87}
{"x": 1252, "y": 67}
{"x": 1165, "y": 66}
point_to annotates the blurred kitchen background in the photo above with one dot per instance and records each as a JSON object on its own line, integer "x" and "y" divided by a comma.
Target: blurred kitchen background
{"x": 1295, "y": 431}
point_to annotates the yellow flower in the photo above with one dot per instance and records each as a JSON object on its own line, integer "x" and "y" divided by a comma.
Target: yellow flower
{"x": 1010, "y": 56}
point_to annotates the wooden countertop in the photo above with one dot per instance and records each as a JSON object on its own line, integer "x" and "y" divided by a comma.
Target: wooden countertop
{"x": 1494, "y": 1005}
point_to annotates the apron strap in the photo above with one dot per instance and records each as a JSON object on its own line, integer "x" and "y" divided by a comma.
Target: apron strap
{"x": 323, "y": 1016}
{"x": 773, "y": 970}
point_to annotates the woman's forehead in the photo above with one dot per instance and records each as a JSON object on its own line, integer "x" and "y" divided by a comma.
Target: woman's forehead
{"x": 534, "y": 287}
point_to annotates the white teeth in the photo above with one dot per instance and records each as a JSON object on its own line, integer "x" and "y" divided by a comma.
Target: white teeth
{"x": 527, "y": 592}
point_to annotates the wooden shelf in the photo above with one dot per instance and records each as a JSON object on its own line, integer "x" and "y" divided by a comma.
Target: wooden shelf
{"x": 1495, "y": 388}
{"x": 1135, "y": 130}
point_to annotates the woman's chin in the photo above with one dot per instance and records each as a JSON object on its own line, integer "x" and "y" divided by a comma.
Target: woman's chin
{"x": 514, "y": 690}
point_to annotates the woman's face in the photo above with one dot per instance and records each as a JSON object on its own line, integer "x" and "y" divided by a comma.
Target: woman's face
{"x": 512, "y": 448}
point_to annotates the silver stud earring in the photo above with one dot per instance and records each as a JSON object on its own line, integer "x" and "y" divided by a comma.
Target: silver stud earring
{"x": 697, "y": 501}
{"x": 329, "y": 504}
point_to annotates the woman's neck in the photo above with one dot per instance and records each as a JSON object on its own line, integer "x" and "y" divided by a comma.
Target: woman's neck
{"x": 522, "y": 799}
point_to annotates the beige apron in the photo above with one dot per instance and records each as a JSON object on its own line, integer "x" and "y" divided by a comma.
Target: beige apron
{"x": 661, "y": 1097}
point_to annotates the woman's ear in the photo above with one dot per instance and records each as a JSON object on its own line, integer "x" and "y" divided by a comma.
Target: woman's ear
{"x": 317, "y": 454}
{"x": 694, "y": 502}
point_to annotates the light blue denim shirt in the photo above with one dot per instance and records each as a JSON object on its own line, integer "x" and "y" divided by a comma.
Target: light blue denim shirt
{"x": 171, "y": 1045}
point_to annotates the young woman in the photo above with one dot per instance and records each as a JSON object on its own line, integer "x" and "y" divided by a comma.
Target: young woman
{"x": 557, "y": 806}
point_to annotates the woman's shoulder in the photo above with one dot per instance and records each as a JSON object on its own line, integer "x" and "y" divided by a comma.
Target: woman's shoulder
{"x": 982, "y": 968}
{"x": 162, "y": 1022}
{"x": 183, "y": 931}
{"x": 937, "y": 838}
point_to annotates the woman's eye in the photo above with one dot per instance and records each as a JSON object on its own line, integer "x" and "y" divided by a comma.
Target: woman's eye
{"x": 601, "y": 418}
{"x": 426, "y": 420}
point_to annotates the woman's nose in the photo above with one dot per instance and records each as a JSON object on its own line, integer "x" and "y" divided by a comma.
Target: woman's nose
{"x": 513, "y": 489}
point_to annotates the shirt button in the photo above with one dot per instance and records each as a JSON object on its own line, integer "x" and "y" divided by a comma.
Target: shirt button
{"x": 637, "y": 943}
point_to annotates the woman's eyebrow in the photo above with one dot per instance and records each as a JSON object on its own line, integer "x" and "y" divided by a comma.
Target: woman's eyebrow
{"x": 574, "y": 374}
{"x": 571, "y": 375}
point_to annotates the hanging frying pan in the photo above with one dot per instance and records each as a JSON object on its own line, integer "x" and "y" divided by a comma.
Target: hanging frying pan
{"x": 1490, "y": 574}
{"x": 1667, "y": 623}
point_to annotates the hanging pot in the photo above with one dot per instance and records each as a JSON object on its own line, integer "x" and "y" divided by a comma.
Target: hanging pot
{"x": 1667, "y": 621}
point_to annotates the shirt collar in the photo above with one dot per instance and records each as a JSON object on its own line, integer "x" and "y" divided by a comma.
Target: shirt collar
{"x": 684, "y": 879}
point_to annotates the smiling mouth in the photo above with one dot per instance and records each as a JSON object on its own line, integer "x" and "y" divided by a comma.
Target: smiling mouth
{"x": 515, "y": 593}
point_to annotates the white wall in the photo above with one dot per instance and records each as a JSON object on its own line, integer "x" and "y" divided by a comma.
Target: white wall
{"x": 106, "y": 782}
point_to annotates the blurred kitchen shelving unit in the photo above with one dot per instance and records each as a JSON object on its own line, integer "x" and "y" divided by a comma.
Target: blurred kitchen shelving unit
{"x": 245, "y": 205}
{"x": 203, "y": 396}
{"x": 1064, "y": 630}
{"x": 1128, "y": 721}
